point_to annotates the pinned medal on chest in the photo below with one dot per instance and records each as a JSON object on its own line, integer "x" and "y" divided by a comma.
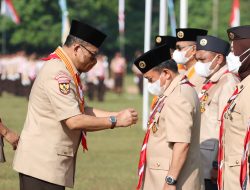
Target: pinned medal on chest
{"x": 154, "y": 128}
{"x": 155, "y": 116}
{"x": 63, "y": 83}
{"x": 203, "y": 99}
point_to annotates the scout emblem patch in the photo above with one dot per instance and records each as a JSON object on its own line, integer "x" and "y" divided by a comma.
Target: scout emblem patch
{"x": 64, "y": 83}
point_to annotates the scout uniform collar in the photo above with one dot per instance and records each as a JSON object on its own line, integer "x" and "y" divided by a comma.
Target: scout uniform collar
{"x": 60, "y": 50}
{"x": 173, "y": 85}
{"x": 216, "y": 76}
{"x": 244, "y": 82}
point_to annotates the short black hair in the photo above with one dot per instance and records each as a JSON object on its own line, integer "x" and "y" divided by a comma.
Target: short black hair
{"x": 70, "y": 40}
{"x": 169, "y": 64}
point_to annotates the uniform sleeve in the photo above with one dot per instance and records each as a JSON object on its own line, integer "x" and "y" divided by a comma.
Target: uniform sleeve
{"x": 179, "y": 120}
{"x": 60, "y": 89}
{"x": 246, "y": 107}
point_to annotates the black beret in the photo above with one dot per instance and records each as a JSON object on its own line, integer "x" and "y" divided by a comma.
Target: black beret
{"x": 239, "y": 32}
{"x": 189, "y": 34}
{"x": 87, "y": 33}
{"x": 152, "y": 58}
{"x": 214, "y": 44}
{"x": 169, "y": 40}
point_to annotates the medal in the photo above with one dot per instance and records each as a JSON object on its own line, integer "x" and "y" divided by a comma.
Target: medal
{"x": 154, "y": 128}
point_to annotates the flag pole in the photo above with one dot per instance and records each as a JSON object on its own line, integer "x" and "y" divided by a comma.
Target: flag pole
{"x": 183, "y": 13}
{"x": 163, "y": 21}
{"x": 147, "y": 35}
{"x": 121, "y": 23}
{"x": 3, "y": 36}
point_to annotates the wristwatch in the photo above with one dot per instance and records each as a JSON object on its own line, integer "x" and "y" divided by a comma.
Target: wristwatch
{"x": 170, "y": 180}
{"x": 113, "y": 121}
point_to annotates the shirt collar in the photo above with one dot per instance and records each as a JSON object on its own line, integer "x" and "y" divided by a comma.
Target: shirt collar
{"x": 216, "y": 76}
{"x": 60, "y": 49}
{"x": 173, "y": 85}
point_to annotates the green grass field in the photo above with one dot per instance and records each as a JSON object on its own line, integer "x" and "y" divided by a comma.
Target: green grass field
{"x": 110, "y": 163}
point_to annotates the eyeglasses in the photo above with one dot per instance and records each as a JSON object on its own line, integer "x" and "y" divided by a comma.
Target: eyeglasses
{"x": 93, "y": 54}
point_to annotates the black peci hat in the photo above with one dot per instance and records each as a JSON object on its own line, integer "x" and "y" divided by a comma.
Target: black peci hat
{"x": 239, "y": 32}
{"x": 189, "y": 34}
{"x": 214, "y": 44}
{"x": 169, "y": 40}
{"x": 87, "y": 33}
{"x": 152, "y": 58}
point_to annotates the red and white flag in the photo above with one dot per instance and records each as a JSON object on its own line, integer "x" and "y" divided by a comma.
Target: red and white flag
{"x": 121, "y": 16}
{"x": 235, "y": 14}
{"x": 8, "y": 9}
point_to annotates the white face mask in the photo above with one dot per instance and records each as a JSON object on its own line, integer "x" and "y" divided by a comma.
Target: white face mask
{"x": 155, "y": 88}
{"x": 179, "y": 56}
{"x": 234, "y": 63}
{"x": 203, "y": 69}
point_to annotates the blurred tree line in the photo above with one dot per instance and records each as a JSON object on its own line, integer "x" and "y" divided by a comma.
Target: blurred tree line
{"x": 40, "y": 28}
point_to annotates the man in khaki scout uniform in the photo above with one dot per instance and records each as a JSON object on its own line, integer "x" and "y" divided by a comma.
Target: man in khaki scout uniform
{"x": 236, "y": 118}
{"x": 185, "y": 53}
{"x": 217, "y": 89}
{"x": 58, "y": 117}
{"x": 170, "y": 156}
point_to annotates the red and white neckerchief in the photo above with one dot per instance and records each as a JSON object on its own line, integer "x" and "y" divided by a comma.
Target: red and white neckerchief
{"x": 221, "y": 133}
{"x": 243, "y": 168}
{"x": 207, "y": 86}
{"x": 185, "y": 80}
{"x": 58, "y": 54}
{"x": 142, "y": 162}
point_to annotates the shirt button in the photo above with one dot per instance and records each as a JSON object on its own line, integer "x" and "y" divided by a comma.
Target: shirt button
{"x": 237, "y": 162}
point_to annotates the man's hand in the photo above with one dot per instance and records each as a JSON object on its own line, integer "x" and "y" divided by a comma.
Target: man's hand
{"x": 169, "y": 187}
{"x": 12, "y": 138}
{"x": 126, "y": 117}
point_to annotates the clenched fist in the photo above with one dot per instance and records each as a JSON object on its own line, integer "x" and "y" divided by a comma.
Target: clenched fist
{"x": 127, "y": 117}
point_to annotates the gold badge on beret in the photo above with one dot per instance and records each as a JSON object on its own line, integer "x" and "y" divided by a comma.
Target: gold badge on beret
{"x": 142, "y": 64}
{"x": 203, "y": 42}
{"x": 231, "y": 36}
{"x": 180, "y": 34}
{"x": 158, "y": 39}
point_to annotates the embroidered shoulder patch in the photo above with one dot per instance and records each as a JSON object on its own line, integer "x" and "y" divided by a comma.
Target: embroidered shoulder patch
{"x": 63, "y": 82}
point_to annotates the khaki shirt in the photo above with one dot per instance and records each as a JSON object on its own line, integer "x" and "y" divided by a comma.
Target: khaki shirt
{"x": 47, "y": 147}
{"x": 179, "y": 121}
{"x": 195, "y": 79}
{"x": 218, "y": 96}
{"x": 236, "y": 123}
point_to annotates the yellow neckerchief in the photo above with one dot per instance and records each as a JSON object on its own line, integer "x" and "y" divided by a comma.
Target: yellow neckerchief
{"x": 191, "y": 73}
